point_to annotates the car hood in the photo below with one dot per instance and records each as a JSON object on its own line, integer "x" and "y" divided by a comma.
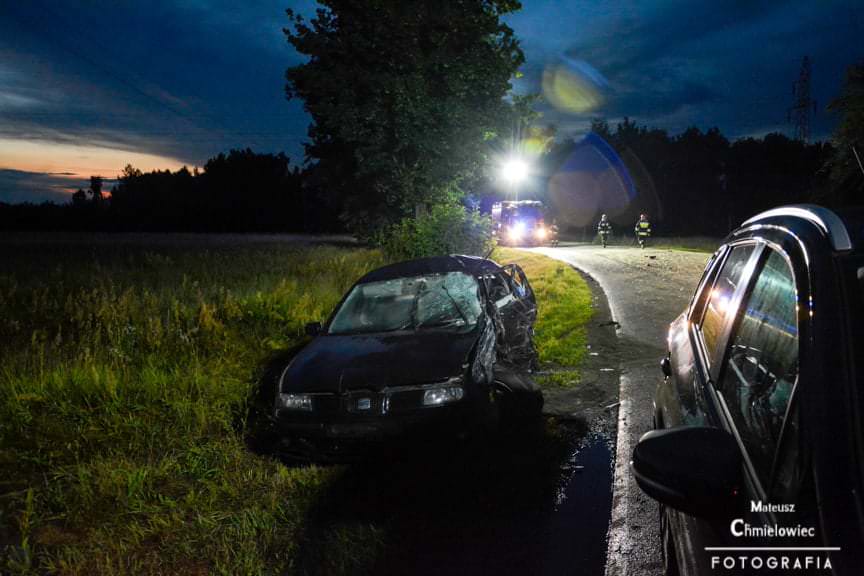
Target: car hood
{"x": 334, "y": 363}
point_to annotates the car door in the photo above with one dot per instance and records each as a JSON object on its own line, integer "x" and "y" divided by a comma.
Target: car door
{"x": 757, "y": 385}
{"x": 513, "y": 300}
{"x": 523, "y": 313}
{"x": 748, "y": 333}
{"x": 711, "y": 311}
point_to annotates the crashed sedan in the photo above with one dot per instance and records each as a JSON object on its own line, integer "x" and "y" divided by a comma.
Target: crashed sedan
{"x": 411, "y": 347}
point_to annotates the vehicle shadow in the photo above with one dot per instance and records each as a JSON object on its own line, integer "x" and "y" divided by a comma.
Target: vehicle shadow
{"x": 436, "y": 504}
{"x": 445, "y": 506}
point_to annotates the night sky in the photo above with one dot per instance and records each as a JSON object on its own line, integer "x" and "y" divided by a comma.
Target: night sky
{"x": 87, "y": 87}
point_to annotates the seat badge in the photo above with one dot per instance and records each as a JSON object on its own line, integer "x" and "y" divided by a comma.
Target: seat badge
{"x": 364, "y": 403}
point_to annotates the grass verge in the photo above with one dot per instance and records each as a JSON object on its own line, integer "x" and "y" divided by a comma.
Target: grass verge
{"x": 701, "y": 244}
{"x": 564, "y": 310}
{"x": 124, "y": 376}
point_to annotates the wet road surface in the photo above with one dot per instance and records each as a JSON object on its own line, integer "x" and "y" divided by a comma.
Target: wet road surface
{"x": 646, "y": 290}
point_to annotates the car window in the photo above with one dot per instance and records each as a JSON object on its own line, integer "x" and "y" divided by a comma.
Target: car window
{"x": 519, "y": 282}
{"x": 698, "y": 299}
{"x": 762, "y": 366}
{"x": 499, "y": 290}
{"x": 434, "y": 301}
{"x": 718, "y": 301}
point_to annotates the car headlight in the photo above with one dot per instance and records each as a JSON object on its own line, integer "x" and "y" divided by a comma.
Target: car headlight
{"x": 294, "y": 402}
{"x": 441, "y": 395}
{"x": 540, "y": 232}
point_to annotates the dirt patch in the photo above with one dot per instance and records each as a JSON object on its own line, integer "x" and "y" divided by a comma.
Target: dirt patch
{"x": 596, "y": 392}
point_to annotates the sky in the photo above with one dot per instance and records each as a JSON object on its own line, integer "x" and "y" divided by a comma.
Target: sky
{"x": 87, "y": 87}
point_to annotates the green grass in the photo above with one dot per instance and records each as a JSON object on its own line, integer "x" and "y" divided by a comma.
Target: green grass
{"x": 564, "y": 309}
{"x": 125, "y": 375}
{"x": 124, "y": 380}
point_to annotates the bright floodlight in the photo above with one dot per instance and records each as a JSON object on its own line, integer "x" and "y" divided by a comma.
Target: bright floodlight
{"x": 514, "y": 170}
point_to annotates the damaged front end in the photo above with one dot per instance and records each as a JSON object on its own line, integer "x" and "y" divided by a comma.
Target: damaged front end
{"x": 351, "y": 423}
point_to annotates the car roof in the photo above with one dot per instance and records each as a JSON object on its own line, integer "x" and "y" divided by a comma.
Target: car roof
{"x": 843, "y": 229}
{"x": 472, "y": 265}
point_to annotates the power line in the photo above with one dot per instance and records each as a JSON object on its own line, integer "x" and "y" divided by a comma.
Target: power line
{"x": 799, "y": 113}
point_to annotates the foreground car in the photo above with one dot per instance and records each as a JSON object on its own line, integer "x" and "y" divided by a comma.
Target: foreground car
{"x": 758, "y": 455}
{"x": 412, "y": 346}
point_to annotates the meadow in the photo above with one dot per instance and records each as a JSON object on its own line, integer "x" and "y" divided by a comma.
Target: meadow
{"x": 126, "y": 372}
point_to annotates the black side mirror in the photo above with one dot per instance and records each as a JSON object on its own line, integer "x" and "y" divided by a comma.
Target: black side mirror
{"x": 312, "y": 328}
{"x": 696, "y": 470}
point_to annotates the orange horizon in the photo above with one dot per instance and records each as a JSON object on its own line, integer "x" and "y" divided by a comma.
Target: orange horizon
{"x": 77, "y": 162}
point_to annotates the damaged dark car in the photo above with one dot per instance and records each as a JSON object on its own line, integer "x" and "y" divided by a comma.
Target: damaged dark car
{"x": 430, "y": 345}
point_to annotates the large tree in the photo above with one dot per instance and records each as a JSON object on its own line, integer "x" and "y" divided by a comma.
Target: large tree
{"x": 846, "y": 163}
{"x": 404, "y": 96}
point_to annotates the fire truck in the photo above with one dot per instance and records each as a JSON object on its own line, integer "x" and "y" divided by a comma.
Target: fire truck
{"x": 522, "y": 223}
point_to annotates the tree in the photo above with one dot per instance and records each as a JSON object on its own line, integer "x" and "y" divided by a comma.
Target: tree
{"x": 848, "y": 139}
{"x": 404, "y": 96}
{"x": 79, "y": 198}
{"x": 96, "y": 189}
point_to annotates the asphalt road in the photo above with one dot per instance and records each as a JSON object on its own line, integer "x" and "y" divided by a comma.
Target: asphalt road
{"x": 646, "y": 290}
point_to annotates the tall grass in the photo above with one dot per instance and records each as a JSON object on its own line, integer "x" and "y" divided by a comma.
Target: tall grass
{"x": 124, "y": 376}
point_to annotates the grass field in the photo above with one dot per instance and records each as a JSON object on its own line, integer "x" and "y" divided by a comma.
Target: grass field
{"x": 125, "y": 373}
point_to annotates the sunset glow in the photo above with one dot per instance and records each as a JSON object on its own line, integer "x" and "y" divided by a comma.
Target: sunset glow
{"x": 76, "y": 162}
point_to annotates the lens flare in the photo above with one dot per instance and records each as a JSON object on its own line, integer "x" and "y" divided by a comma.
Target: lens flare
{"x": 574, "y": 86}
{"x": 593, "y": 180}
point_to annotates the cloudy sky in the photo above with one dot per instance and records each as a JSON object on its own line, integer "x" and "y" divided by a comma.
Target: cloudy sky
{"x": 87, "y": 87}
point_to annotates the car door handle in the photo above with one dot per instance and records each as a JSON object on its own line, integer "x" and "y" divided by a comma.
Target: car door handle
{"x": 666, "y": 366}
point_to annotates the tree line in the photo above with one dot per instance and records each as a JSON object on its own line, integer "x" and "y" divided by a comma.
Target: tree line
{"x": 698, "y": 182}
{"x": 704, "y": 184}
{"x": 241, "y": 191}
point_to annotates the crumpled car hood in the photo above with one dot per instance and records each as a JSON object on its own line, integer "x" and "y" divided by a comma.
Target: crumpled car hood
{"x": 337, "y": 363}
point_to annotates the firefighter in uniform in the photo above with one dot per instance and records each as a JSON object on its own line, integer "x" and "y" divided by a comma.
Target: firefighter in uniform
{"x": 604, "y": 228}
{"x": 643, "y": 230}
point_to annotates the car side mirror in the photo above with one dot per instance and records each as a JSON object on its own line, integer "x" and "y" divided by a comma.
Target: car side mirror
{"x": 696, "y": 470}
{"x": 312, "y": 328}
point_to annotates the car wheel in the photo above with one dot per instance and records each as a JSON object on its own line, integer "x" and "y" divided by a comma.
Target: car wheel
{"x": 670, "y": 560}
{"x": 519, "y": 399}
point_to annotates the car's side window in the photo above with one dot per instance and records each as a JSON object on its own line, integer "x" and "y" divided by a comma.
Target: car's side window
{"x": 718, "y": 302}
{"x": 499, "y": 291}
{"x": 762, "y": 363}
{"x": 698, "y": 298}
{"x": 518, "y": 282}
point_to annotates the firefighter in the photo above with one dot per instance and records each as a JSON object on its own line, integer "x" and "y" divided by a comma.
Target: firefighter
{"x": 604, "y": 228}
{"x": 643, "y": 230}
{"x": 553, "y": 233}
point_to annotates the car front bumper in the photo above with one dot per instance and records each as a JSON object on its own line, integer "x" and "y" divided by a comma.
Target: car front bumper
{"x": 348, "y": 437}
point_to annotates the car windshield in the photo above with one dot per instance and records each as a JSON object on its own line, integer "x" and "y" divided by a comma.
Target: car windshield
{"x": 448, "y": 302}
